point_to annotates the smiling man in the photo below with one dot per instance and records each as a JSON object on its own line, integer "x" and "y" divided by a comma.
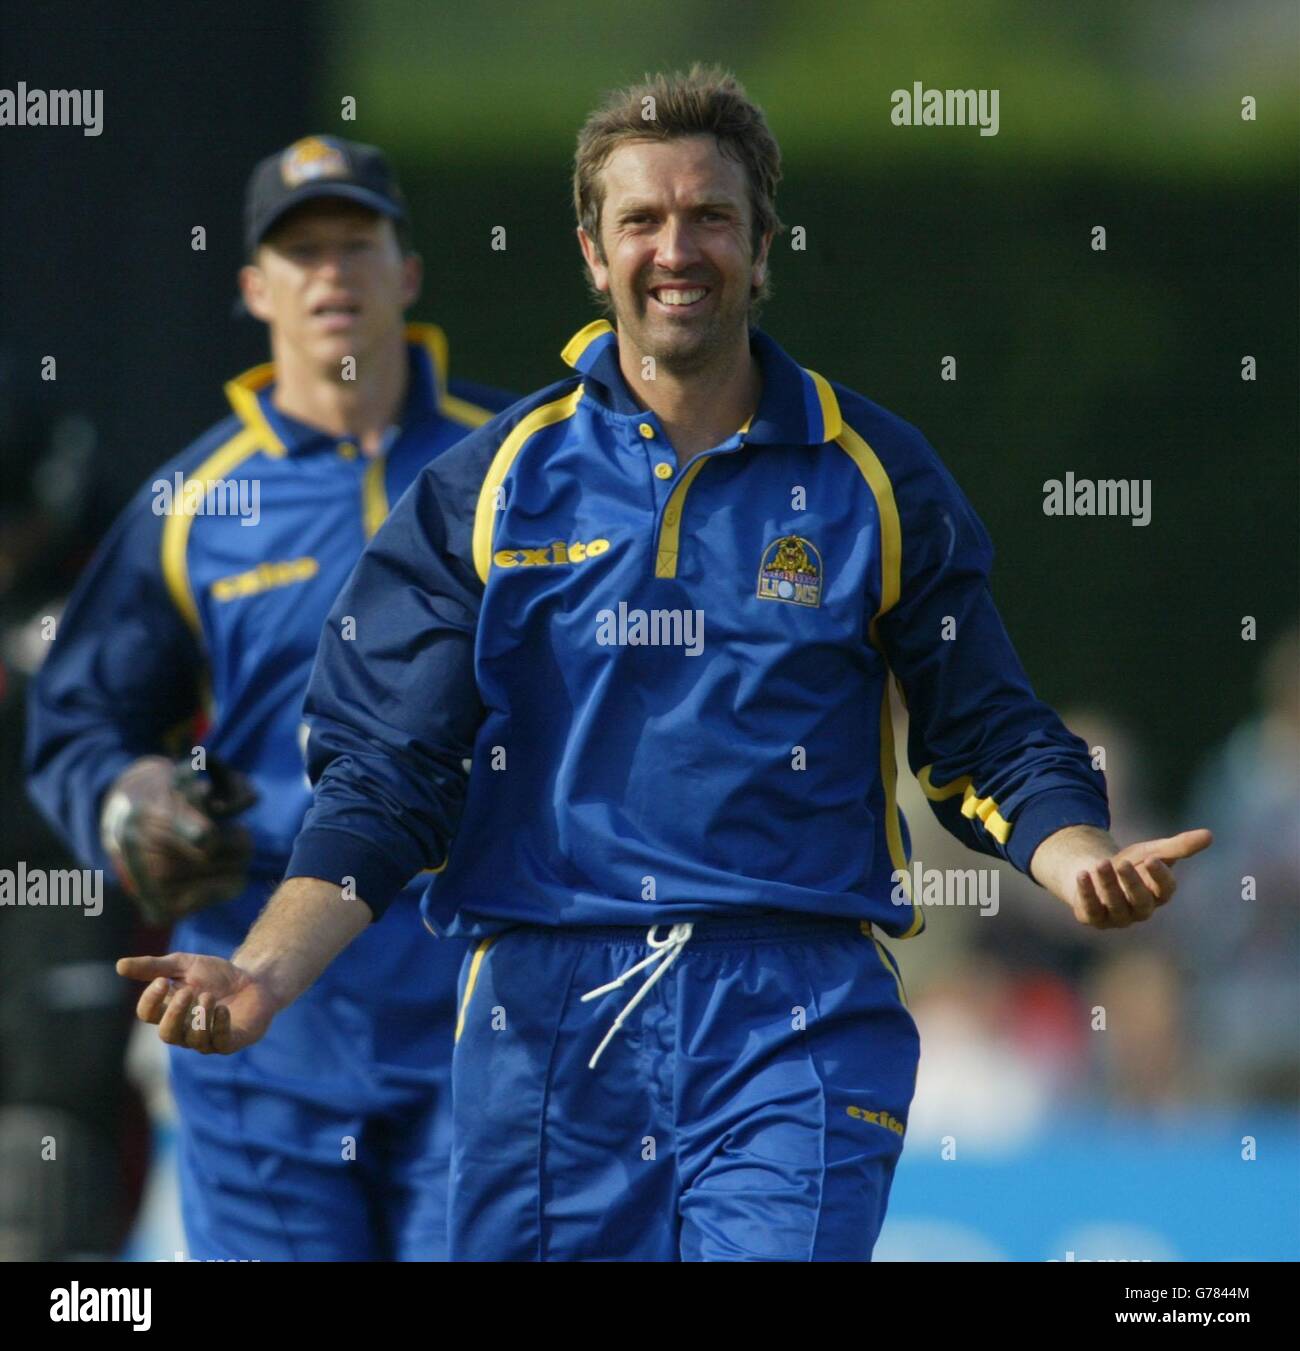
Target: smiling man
{"x": 718, "y": 827}
{"x": 332, "y": 1139}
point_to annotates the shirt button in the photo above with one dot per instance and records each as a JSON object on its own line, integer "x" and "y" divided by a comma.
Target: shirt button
{"x": 663, "y": 470}
{"x": 347, "y": 450}
{"x": 646, "y": 430}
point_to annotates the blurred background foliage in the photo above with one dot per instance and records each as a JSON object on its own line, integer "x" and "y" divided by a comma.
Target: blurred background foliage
{"x": 921, "y": 243}
{"x": 1136, "y": 86}
{"x": 925, "y": 242}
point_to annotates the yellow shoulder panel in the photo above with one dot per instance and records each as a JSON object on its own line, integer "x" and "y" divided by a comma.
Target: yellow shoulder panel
{"x": 434, "y": 341}
{"x": 374, "y": 495}
{"x": 485, "y": 512}
{"x": 832, "y": 422}
{"x": 242, "y": 392}
{"x": 176, "y": 528}
{"x": 582, "y": 339}
{"x": 891, "y": 531}
{"x": 891, "y": 567}
{"x": 466, "y": 413}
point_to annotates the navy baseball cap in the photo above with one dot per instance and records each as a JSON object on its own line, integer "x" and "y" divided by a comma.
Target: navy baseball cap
{"x": 318, "y": 166}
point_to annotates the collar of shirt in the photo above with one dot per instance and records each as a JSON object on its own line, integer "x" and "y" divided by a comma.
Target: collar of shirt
{"x": 251, "y": 395}
{"x": 796, "y": 407}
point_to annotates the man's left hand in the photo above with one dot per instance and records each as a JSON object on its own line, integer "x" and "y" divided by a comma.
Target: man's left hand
{"x": 1108, "y": 887}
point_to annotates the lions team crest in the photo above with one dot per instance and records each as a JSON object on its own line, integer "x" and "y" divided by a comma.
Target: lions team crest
{"x": 791, "y": 571}
{"x": 311, "y": 158}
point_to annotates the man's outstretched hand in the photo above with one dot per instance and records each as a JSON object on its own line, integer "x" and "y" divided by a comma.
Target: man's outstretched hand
{"x": 215, "y": 1006}
{"x": 204, "y": 1003}
{"x": 1108, "y": 887}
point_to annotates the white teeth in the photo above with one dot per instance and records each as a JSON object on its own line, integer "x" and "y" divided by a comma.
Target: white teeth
{"x": 682, "y": 297}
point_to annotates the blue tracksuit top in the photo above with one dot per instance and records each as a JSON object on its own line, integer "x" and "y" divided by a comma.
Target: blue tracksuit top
{"x": 586, "y": 686}
{"x": 184, "y": 610}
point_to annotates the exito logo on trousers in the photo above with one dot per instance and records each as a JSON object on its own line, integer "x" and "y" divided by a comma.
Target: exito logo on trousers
{"x": 890, "y": 1123}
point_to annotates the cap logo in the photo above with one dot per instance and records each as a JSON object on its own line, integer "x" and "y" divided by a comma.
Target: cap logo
{"x": 311, "y": 158}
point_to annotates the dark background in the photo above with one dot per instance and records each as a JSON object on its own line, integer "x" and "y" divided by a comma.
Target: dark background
{"x": 921, "y": 243}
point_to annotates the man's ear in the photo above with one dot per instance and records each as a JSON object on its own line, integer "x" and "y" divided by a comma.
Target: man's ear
{"x": 595, "y": 263}
{"x": 252, "y": 286}
{"x": 759, "y": 273}
{"x": 412, "y": 278}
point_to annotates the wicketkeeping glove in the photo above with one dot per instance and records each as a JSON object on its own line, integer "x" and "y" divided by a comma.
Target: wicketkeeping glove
{"x": 165, "y": 826}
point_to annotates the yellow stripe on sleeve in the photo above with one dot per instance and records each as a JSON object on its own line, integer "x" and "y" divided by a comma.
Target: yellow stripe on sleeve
{"x": 973, "y": 807}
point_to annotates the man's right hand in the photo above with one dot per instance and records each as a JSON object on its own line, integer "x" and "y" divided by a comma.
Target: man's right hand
{"x": 166, "y": 831}
{"x": 204, "y": 1003}
{"x": 215, "y": 1006}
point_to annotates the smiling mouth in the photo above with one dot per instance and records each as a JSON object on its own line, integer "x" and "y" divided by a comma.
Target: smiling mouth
{"x": 680, "y": 299}
{"x": 336, "y": 310}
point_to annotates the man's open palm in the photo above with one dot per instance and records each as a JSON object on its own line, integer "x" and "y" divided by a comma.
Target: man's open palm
{"x": 206, "y": 1004}
{"x": 1133, "y": 884}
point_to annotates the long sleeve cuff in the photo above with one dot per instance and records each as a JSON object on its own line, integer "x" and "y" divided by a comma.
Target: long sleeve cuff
{"x": 1046, "y": 814}
{"x": 334, "y": 855}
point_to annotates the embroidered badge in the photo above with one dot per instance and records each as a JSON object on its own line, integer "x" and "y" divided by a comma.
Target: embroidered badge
{"x": 791, "y": 570}
{"x": 311, "y": 158}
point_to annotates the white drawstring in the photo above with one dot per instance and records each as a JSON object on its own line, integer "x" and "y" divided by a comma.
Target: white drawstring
{"x": 663, "y": 951}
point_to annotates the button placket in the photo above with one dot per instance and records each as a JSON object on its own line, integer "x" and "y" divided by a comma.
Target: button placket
{"x": 663, "y": 474}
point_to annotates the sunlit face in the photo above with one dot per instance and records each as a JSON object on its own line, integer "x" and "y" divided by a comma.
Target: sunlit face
{"x": 676, "y": 258}
{"x": 332, "y": 281}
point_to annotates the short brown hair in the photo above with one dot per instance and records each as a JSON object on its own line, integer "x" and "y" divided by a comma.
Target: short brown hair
{"x": 706, "y": 101}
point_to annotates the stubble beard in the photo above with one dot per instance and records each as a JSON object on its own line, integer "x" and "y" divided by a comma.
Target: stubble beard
{"x": 687, "y": 352}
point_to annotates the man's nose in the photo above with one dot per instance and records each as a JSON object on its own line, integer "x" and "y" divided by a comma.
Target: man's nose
{"x": 333, "y": 263}
{"x": 676, "y": 248}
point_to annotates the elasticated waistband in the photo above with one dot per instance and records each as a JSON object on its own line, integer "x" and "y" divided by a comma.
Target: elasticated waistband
{"x": 776, "y": 927}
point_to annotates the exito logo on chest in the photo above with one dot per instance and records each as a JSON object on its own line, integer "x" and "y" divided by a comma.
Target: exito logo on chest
{"x": 550, "y": 555}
